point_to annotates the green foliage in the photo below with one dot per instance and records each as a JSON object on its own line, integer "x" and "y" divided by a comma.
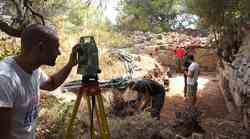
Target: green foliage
{"x": 211, "y": 12}
{"x": 148, "y": 15}
{"x": 224, "y": 18}
{"x": 219, "y": 13}
{"x": 50, "y": 8}
{"x": 81, "y": 17}
{"x": 76, "y": 13}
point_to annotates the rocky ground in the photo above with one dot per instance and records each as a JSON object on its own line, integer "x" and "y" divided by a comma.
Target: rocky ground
{"x": 215, "y": 119}
{"x": 211, "y": 114}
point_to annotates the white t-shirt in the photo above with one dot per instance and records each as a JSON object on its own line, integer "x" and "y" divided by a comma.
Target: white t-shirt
{"x": 20, "y": 91}
{"x": 195, "y": 69}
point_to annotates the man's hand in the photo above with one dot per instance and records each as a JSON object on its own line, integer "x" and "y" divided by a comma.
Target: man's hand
{"x": 73, "y": 56}
{"x": 185, "y": 72}
{"x": 190, "y": 73}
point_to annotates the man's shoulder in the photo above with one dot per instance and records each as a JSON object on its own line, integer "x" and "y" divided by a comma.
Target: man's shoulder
{"x": 147, "y": 81}
{"x": 154, "y": 83}
{"x": 192, "y": 66}
{"x": 6, "y": 80}
{"x": 6, "y": 62}
{"x": 196, "y": 64}
{"x": 6, "y": 68}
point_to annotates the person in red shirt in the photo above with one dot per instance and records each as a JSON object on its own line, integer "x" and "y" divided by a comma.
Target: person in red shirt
{"x": 179, "y": 53}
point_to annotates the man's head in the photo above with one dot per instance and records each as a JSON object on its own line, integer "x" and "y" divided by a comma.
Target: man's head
{"x": 41, "y": 44}
{"x": 137, "y": 86}
{"x": 131, "y": 85}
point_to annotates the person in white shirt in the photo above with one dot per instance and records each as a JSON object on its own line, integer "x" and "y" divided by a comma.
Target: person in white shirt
{"x": 21, "y": 79}
{"x": 192, "y": 78}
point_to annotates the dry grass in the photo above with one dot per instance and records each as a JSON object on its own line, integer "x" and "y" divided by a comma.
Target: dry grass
{"x": 111, "y": 66}
{"x": 104, "y": 39}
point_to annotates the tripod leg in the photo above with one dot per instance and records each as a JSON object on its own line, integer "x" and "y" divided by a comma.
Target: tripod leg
{"x": 103, "y": 116}
{"x": 91, "y": 115}
{"x": 92, "y": 130}
{"x": 76, "y": 106}
{"x": 99, "y": 121}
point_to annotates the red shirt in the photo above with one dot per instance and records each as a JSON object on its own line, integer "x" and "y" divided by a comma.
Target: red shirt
{"x": 180, "y": 52}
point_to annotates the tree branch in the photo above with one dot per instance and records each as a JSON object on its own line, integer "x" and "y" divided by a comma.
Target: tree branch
{"x": 27, "y": 4}
{"x": 19, "y": 11}
{"x": 10, "y": 30}
{"x": 18, "y": 8}
{"x": 19, "y": 23}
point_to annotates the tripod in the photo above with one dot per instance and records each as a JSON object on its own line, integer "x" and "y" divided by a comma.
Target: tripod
{"x": 90, "y": 86}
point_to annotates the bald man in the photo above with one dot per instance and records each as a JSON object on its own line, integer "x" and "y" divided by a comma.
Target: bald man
{"x": 21, "y": 79}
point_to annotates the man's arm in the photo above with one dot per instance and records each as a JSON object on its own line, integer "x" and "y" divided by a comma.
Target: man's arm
{"x": 5, "y": 120}
{"x": 58, "y": 78}
{"x": 190, "y": 73}
{"x": 7, "y": 98}
{"x": 144, "y": 101}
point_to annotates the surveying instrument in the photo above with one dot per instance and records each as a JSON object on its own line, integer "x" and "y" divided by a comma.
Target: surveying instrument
{"x": 88, "y": 67}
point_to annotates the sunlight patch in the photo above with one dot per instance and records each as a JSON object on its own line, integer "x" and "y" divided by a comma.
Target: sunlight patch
{"x": 202, "y": 81}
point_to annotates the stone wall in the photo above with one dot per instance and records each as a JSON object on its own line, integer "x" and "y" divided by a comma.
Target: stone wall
{"x": 205, "y": 57}
{"x": 162, "y": 46}
{"x": 234, "y": 79}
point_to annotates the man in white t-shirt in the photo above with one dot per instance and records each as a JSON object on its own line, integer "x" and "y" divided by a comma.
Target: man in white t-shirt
{"x": 192, "y": 78}
{"x": 21, "y": 79}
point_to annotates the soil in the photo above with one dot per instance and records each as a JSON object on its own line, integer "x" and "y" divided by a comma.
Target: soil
{"x": 210, "y": 100}
{"x": 215, "y": 119}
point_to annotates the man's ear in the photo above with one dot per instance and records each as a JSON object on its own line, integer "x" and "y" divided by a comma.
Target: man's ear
{"x": 40, "y": 46}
